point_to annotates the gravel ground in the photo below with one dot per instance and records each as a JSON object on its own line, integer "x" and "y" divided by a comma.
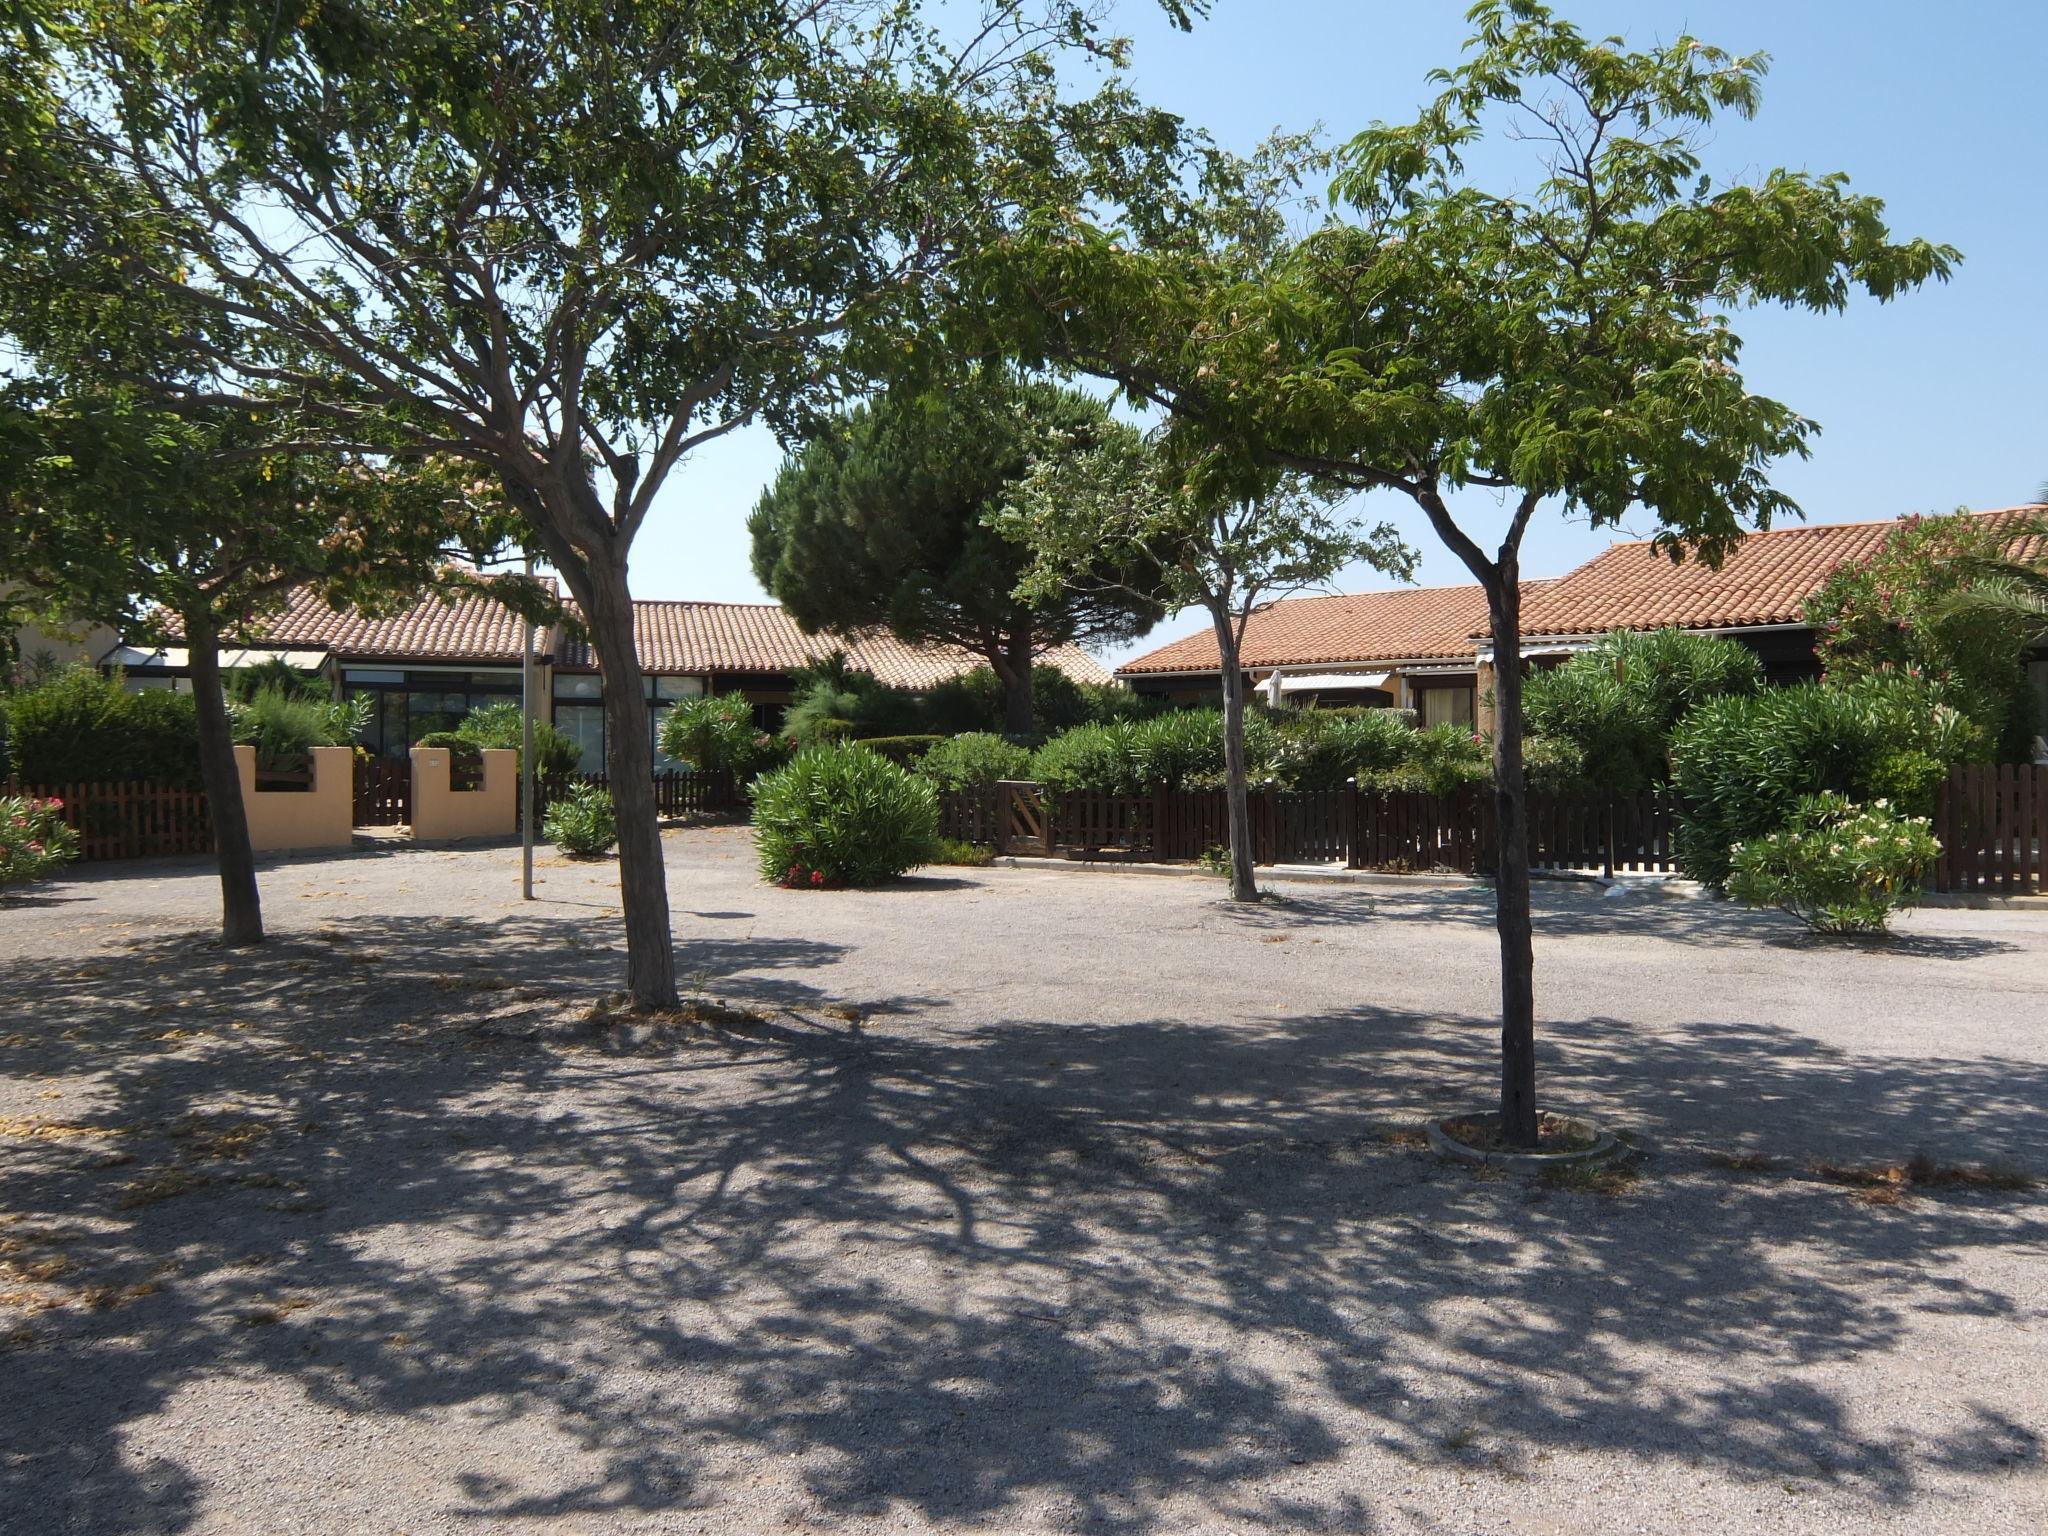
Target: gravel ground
{"x": 1027, "y": 1201}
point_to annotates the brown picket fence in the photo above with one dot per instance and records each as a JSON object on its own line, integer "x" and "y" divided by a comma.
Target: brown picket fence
{"x": 129, "y": 820}
{"x": 676, "y": 793}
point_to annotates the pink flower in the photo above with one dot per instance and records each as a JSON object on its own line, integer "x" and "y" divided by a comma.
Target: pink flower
{"x": 817, "y": 877}
{"x": 53, "y": 804}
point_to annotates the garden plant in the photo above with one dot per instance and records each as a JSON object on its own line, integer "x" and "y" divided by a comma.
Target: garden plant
{"x": 840, "y": 815}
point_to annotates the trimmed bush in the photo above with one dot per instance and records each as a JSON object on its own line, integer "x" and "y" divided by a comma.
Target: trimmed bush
{"x": 1836, "y": 866}
{"x": 77, "y": 727}
{"x": 1440, "y": 761}
{"x": 1739, "y": 763}
{"x": 840, "y": 815}
{"x": 34, "y": 841}
{"x": 582, "y": 822}
{"x": 974, "y": 760}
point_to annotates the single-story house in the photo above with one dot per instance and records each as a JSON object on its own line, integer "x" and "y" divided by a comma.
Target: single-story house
{"x": 429, "y": 666}
{"x": 1409, "y": 648}
{"x": 1427, "y": 648}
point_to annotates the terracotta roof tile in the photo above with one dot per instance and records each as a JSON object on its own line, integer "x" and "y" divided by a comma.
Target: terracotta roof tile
{"x": 693, "y": 637}
{"x": 470, "y": 627}
{"x": 1766, "y": 579}
{"x": 1405, "y": 624}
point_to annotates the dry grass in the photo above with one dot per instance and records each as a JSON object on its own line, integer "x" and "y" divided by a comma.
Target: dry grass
{"x": 1612, "y": 1178}
{"x": 41, "y": 1128}
{"x": 165, "y": 1184}
{"x": 1891, "y": 1183}
{"x": 234, "y": 1141}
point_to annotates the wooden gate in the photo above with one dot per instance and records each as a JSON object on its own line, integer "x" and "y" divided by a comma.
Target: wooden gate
{"x": 383, "y": 792}
{"x": 1022, "y": 821}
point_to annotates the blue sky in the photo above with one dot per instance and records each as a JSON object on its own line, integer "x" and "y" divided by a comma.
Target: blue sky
{"x": 1935, "y": 401}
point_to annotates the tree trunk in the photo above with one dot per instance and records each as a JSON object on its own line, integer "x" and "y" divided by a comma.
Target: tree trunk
{"x": 1012, "y": 667}
{"x": 1511, "y": 861}
{"x": 241, "y": 908}
{"x": 1243, "y": 885}
{"x": 629, "y": 762}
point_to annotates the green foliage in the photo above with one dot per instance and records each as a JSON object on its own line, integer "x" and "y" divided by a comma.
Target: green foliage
{"x": 1939, "y": 599}
{"x": 969, "y": 855}
{"x": 881, "y": 521}
{"x": 284, "y": 727}
{"x": 974, "y": 701}
{"x": 973, "y": 760}
{"x": 1183, "y": 748}
{"x": 1440, "y": 760}
{"x": 582, "y": 822}
{"x": 1101, "y": 759}
{"x": 1836, "y": 866}
{"x": 840, "y": 815}
{"x": 1618, "y": 701}
{"x": 499, "y": 725}
{"x": 714, "y": 733}
{"x": 1558, "y": 767}
{"x": 837, "y": 703}
{"x": 276, "y": 675}
{"x": 1321, "y": 748}
{"x": 79, "y": 727}
{"x": 35, "y": 841}
{"x": 1739, "y": 762}
{"x": 905, "y": 750}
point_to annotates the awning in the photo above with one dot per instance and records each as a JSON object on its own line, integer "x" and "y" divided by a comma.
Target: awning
{"x": 175, "y": 658}
{"x": 1330, "y": 682}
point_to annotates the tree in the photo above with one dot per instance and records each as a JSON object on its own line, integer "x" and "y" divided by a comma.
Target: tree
{"x": 179, "y": 528}
{"x": 1570, "y": 347}
{"x": 880, "y": 522}
{"x": 1085, "y": 512}
{"x": 567, "y": 241}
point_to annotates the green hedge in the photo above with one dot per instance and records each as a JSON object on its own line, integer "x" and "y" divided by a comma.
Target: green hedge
{"x": 81, "y": 728}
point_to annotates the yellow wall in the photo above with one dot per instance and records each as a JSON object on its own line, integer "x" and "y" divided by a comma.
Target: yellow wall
{"x": 440, "y": 813}
{"x": 320, "y": 817}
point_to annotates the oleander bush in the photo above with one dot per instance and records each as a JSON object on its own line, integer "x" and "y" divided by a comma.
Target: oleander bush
{"x": 1100, "y": 759}
{"x": 716, "y": 732}
{"x": 35, "y": 842}
{"x": 1322, "y": 748}
{"x": 903, "y": 750}
{"x": 1741, "y": 762}
{"x": 582, "y": 822}
{"x": 1440, "y": 760}
{"x": 973, "y": 760}
{"x": 284, "y": 726}
{"x": 840, "y": 815}
{"x": 1837, "y": 866}
{"x": 499, "y": 725}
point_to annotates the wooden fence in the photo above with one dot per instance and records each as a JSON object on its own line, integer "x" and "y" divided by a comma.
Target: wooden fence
{"x": 1365, "y": 829}
{"x": 131, "y": 820}
{"x": 1992, "y": 822}
{"x": 676, "y": 793}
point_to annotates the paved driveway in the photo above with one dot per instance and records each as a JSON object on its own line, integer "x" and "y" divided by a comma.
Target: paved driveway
{"x": 1038, "y": 1200}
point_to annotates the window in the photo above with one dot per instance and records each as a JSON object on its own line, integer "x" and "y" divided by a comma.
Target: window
{"x": 583, "y": 724}
{"x": 404, "y": 706}
{"x": 1445, "y": 705}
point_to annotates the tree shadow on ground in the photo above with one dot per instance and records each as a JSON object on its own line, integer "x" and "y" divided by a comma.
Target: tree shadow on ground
{"x": 1121, "y": 1278}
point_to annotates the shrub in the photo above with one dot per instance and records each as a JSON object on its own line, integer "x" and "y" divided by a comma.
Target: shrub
{"x": 582, "y": 822}
{"x": 276, "y": 675}
{"x": 1321, "y": 748}
{"x": 498, "y": 725}
{"x": 717, "y": 733}
{"x": 973, "y": 701}
{"x": 841, "y": 815}
{"x": 973, "y": 855}
{"x": 76, "y": 726}
{"x": 1095, "y": 758}
{"x": 1906, "y": 608}
{"x": 1618, "y": 702}
{"x": 905, "y": 750}
{"x": 34, "y": 841}
{"x": 1444, "y": 759}
{"x": 283, "y": 727}
{"x": 973, "y": 760}
{"x": 1836, "y": 866}
{"x": 1555, "y": 766}
{"x": 1739, "y": 763}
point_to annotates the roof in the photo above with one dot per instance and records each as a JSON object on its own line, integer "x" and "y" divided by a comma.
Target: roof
{"x": 689, "y": 638}
{"x": 1766, "y": 579}
{"x": 695, "y": 637}
{"x": 1404, "y": 624}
